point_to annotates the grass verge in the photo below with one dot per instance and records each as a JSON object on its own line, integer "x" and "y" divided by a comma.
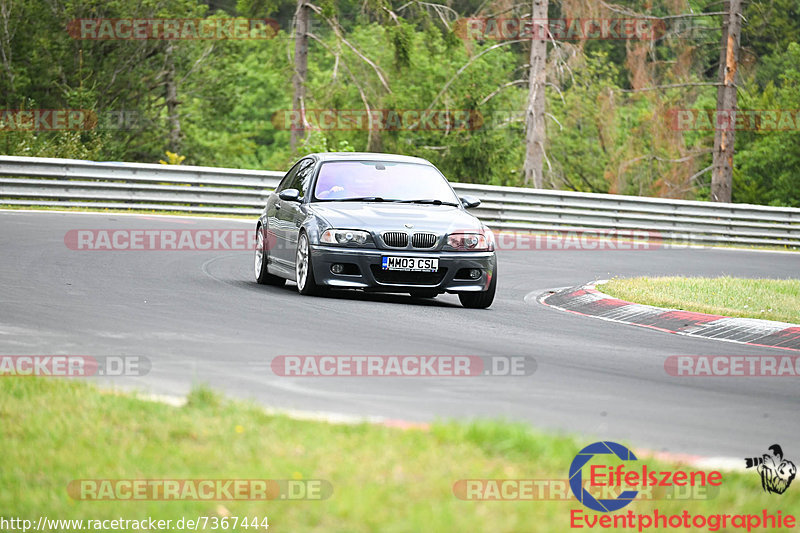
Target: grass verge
{"x": 384, "y": 479}
{"x": 770, "y": 299}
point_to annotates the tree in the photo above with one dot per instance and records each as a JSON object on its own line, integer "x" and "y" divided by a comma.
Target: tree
{"x": 722, "y": 172}
{"x": 534, "y": 112}
{"x": 300, "y": 70}
{"x": 171, "y": 100}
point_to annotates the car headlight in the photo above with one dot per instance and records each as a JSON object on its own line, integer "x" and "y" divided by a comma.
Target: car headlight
{"x": 469, "y": 241}
{"x": 344, "y": 236}
{"x": 490, "y": 237}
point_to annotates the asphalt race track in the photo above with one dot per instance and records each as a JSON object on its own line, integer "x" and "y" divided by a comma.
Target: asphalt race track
{"x": 200, "y": 317}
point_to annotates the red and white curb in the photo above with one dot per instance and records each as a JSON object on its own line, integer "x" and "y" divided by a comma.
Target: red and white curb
{"x": 586, "y": 300}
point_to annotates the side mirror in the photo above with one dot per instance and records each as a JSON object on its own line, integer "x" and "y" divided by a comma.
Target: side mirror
{"x": 469, "y": 202}
{"x": 290, "y": 195}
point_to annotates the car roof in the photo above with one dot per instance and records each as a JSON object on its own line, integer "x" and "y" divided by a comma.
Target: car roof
{"x": 369, "y": 156}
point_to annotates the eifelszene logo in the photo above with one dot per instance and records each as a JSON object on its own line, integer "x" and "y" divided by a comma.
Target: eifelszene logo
{"x": 622, "y": 480}
{"x": 776, "y": 472}
{"x": 576, "y": 477}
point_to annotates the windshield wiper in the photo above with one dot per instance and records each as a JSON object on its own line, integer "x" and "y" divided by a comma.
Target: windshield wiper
{"x": 429, "y": 201}
{"x": 361, "y": 199}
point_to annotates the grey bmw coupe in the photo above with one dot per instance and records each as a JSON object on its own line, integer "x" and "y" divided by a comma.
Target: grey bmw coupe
{"x": 375, "y": 222}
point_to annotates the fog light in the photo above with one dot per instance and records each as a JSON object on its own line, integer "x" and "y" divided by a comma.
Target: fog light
{"x": 475, "y": 273}
{"x": 337, "y": 268}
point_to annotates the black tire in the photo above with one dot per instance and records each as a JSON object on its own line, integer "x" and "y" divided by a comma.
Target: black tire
{"x": 307, "y": 285}
{"x": 263, "y": 277}
{"x": 424, "y": 294}
{"x": 480, "y": 300}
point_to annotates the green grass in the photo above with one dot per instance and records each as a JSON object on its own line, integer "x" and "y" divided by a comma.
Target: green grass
{"x": 384, "y": 479}
{"x": 770, "y": 299}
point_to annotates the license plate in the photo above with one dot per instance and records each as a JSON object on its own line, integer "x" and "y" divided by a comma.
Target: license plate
{"x": 416, "y": 264}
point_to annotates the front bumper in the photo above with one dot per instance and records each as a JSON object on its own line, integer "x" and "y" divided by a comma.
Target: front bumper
{"x": 370, "y": 276}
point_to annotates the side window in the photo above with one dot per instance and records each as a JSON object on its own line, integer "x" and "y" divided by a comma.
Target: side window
{"x": 302, "y": 180}
{"x": 288, "y": 178}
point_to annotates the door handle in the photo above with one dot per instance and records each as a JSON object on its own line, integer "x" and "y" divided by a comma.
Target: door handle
{"x": 277, "y": 205}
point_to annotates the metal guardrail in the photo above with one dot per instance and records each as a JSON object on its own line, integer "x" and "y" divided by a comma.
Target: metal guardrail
{"x": 31, "y": 181}
{"x": 76, "y": 183}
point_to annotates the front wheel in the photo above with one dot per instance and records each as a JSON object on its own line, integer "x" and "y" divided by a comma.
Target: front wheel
{"x": 304, "y": 271}
{"x": 480, "y": 300}
{"x": 263, "y": 277}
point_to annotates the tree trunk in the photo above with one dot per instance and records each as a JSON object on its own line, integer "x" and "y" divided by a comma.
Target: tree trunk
{"x": 7, "y": 30}
{"x": 171, "y": 98}
{"x": 300, "y": 71}
{"x": 724, "y": 134}
{"x": 534, "y": 113}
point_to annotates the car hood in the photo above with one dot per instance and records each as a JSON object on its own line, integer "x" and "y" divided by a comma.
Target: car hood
{"x": 379, "y": 217}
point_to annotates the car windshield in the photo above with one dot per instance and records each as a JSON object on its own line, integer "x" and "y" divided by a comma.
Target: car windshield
{"x": 382, "y": 181}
